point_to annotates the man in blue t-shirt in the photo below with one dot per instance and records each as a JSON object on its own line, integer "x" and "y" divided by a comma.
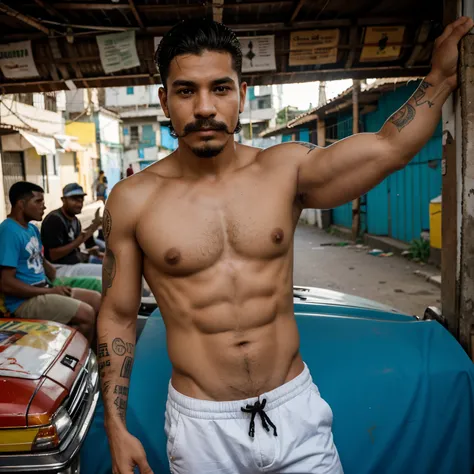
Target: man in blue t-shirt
{"x": 24, "y": 272}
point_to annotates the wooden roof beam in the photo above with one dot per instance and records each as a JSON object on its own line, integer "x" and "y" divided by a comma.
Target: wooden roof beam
{"x": 51, "y": 10}
{"x": 296, "y": 10}
{"x": 422, "y": 37}
{"x": 135, "y": 13}
{"x": 353, "y": 44}
{"x": 91, "y": 6}
{"x": 217, "y": 10}
{"x": 24, "y": 18}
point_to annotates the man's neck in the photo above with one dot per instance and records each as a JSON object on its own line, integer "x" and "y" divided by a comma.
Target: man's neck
{"x": 193, "y": 165}
{"x": 68, "y": 216}
{"x": 19, "y": 217}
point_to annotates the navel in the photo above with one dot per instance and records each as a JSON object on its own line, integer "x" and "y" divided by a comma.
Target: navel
{"x": 172, "y": 256}
{"x": 278, "y": 236}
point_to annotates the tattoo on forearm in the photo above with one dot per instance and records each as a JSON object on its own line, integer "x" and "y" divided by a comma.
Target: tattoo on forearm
{"x": 121, "y": 405}
{"x": 103, "y": 350}
{"x": 126, "y": 370}
{"x": 107, "y": 224}
{"x": 120, "y": 347}
{"x": 121, "y": 390}
{"x": 311, "y": 146}
{"x": 105, "y": 387}
{"x": 108, "y": 271}
{"x": 420, "y": 95}
{"x": 403, "y": 117}
{"x": 102, "y": 365}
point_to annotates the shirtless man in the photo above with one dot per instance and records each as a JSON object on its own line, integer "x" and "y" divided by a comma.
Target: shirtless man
{"x": 211, "y": 229}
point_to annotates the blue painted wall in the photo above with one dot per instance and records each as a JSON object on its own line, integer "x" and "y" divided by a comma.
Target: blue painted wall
{"x": 342, "y": 215}
{"x": 399, "y": 206}
{"x": 304, "y": 135}
{"x": 167, "y": 141}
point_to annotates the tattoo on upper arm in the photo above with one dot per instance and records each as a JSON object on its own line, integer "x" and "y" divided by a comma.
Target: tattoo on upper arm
{"x": 420, "y": 94}
{"x": 403, "y": 117}
{"x": 108, "y": 271}
{"x": 311, "y": 146}
{"x": 107, "y": 224}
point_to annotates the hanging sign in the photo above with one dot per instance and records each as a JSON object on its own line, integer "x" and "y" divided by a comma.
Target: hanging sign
{"x": 258, "y": 53}
{"x": 313, "y": 47}
{"x": 382, "y": 37}
{"x": 118, "y": 51}
{"x": 16, "y": 60}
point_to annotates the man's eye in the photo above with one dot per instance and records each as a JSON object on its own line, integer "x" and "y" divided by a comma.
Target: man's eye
{"x": 222, "y": 89}
{"x": 185, "y": 92}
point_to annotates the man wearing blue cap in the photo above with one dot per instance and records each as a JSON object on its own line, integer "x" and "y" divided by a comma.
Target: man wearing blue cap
{"x": 62, "y": 236}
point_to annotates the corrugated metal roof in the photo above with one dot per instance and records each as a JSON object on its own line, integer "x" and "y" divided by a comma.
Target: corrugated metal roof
{"x": 378, "y": 86}
{"x": 64, "y": 46}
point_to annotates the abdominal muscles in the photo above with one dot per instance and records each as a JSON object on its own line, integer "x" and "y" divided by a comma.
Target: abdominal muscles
{"x": 233, "y": 339}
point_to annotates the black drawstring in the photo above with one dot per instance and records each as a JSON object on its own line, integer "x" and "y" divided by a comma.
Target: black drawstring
{"x": 258, "y": 407}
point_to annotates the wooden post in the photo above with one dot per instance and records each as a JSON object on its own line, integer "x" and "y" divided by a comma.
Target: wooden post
{"x": 450, "y": 207}
{"x": 321, "y": 130}
{"x": 466, "y": 273}
{"x": 355, "y": 129}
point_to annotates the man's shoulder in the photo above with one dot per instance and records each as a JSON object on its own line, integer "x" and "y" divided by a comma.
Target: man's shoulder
{"x": 54, "y": 218}
{"x": 288, "y": 149}
{"x": 10, "y": 226}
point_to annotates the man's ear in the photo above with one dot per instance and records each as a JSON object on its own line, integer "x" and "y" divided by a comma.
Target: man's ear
{"x": 243, "y": 95}
{"x": 164, "y": 101}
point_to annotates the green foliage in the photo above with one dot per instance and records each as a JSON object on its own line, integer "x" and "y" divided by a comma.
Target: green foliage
{"x": 420, "y": 250}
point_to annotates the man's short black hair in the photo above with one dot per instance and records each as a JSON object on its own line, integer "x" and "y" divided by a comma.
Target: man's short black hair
{"x": 23, "y": 190}
{"x": 194, "y": 37}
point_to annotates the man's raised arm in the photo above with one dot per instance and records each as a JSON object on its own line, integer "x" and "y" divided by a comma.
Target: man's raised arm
{"x": 121, "y": 291}
{"x": 339, "y": 173}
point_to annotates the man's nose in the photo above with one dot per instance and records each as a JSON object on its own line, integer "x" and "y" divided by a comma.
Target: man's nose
{"x": 205, "y": 106}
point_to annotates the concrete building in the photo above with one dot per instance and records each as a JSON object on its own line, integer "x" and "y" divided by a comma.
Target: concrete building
{"x": 261, "y": 106}
{"x": 145, "y": 129}
{"x": 29, "y": 124}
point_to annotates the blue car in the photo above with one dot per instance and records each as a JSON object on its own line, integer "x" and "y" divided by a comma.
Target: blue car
{"x": 401, "y": 388}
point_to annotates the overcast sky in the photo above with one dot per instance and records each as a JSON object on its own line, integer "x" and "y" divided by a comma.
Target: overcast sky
{"x": 301, "y": 95}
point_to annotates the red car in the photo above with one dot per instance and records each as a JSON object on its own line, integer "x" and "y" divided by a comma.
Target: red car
{"x": 48, "y": 395}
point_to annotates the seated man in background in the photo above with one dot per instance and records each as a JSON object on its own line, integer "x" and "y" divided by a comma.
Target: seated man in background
{"x": 63, "y": 236}
{"x": 24, "y": 272}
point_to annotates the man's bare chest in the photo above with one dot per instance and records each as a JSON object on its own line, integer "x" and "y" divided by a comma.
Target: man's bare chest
{"x": 192, "y": 230}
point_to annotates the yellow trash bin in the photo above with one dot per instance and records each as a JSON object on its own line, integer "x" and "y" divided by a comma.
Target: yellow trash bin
{"x": 435, "y": 222}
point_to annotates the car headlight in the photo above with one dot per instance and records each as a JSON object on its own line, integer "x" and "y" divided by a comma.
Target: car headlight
{"x": 50, "y": 436}
{"x": 93, "y": 369}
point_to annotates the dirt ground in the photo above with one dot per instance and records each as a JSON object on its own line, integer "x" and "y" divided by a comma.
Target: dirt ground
{"x": 389, "y": 280}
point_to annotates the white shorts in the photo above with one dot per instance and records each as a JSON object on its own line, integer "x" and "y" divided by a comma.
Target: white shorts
{"x": 79, "y": 270}
{"x": 214, "y": 437}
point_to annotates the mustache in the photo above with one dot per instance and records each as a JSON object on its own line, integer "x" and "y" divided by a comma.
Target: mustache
{"x": 205, "y": 124}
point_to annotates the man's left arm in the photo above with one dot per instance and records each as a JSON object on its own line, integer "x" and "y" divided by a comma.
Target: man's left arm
{"x": 49, "y": 270}
{"x": 332, "y": 176}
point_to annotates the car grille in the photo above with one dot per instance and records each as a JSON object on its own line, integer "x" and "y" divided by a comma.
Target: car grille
{"x": 79, "y": 394}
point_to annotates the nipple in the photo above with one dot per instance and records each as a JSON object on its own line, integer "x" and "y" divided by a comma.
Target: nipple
{"x": 278, "y": 235}
{"x": 172, "y": 256}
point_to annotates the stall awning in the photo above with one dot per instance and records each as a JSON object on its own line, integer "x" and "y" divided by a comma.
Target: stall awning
{"x": 68, "y": 143}
{"x": 43, "y": 144}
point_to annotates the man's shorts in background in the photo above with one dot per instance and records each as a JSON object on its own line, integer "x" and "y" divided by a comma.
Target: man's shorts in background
{"x": 49, "y": 307}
